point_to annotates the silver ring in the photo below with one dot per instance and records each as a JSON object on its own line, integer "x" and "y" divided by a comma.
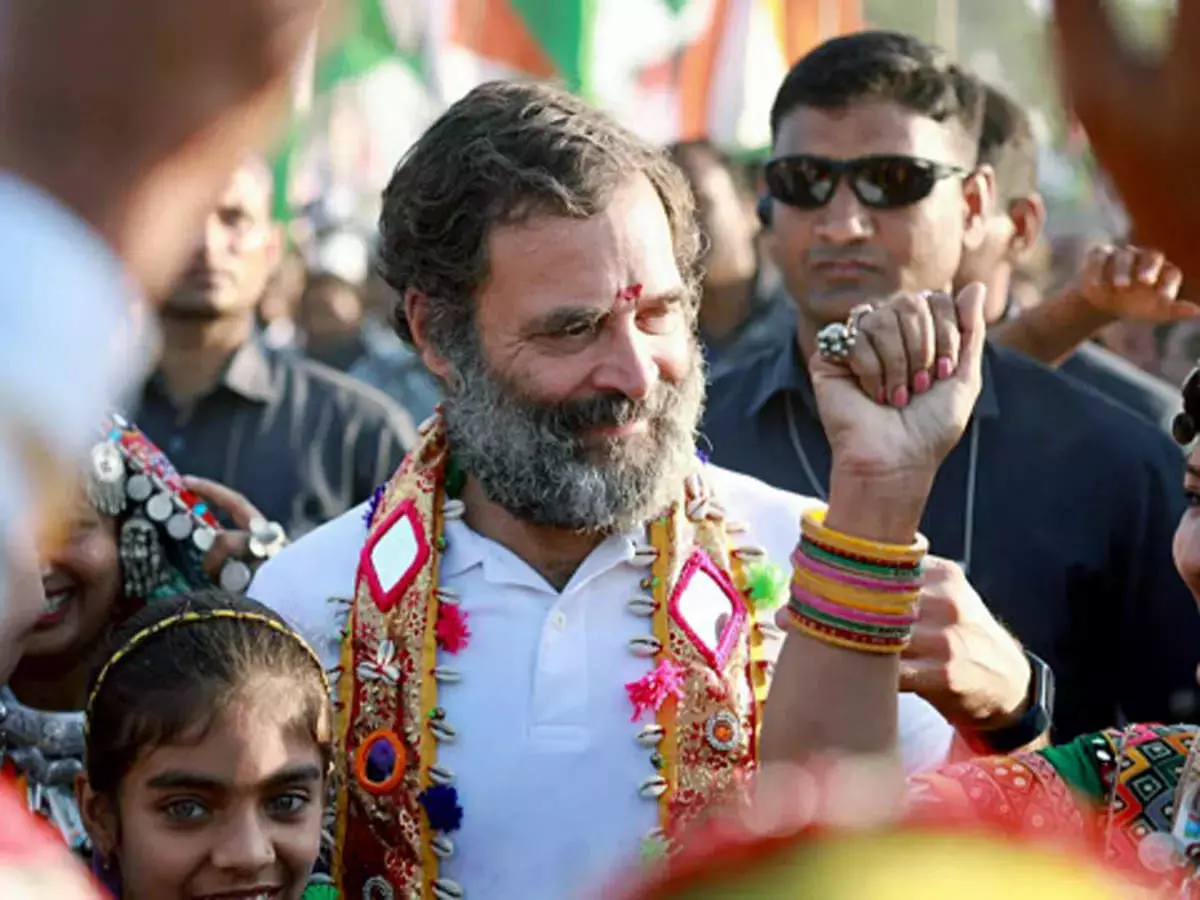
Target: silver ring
{"x": 834, "y": 342}
{"x": 856, "y": 315}
{"x": 266, "y": 539}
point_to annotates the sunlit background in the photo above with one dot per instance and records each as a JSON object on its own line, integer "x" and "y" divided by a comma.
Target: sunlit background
{"x": 668, "y": 68}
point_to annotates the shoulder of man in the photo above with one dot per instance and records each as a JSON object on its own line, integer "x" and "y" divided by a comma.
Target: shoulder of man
{"x": 312, "y": 582}
{"x": 34, "y": 862}
{"x": 1120, "y": 380}
{"x": 1114, "y": 437}
{"x": 355, "y": 398}
{"x": 771, "y": 516}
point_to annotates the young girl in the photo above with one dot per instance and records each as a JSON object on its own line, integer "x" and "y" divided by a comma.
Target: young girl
{"x": 140, "y": 532}
{"x": 208, "y": 748}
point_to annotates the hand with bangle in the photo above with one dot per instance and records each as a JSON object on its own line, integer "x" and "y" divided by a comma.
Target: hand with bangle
{"x": 895, "y": 397}
{"x": 894, "y": 400}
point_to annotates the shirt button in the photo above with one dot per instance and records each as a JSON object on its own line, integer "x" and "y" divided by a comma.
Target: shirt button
{"x": 558, "y": 621}
{"x": 176, "y": 444}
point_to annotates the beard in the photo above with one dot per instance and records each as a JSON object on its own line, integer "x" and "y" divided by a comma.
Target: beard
{"x": 536, "y": 460}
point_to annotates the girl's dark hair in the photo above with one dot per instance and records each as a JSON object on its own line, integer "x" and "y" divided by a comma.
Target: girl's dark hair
{"x": 182, "y": 678}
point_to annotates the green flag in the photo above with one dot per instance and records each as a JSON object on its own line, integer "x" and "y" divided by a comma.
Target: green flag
{"x": 564, "y": 29}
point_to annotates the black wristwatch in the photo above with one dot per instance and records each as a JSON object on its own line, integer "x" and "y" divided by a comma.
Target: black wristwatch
{"x": 1034, "y": 723}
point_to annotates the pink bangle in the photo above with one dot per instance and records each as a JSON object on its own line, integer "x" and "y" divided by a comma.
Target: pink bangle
{"x": 800, "y": 560}
{"x": 808, "y": 598}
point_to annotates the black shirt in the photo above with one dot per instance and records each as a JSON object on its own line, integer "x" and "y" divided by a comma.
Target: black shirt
{"x": 1070, "y": 523}
{"x": 1120, "y": 380}
{"x": 304, "y": 443}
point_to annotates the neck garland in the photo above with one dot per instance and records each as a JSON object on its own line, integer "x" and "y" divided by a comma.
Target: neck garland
{"x": 697, "y": 709}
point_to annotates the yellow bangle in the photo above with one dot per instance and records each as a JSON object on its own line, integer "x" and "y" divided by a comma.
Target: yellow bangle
{"x": 899, "y": 603}
{"x": 813, "y": 527}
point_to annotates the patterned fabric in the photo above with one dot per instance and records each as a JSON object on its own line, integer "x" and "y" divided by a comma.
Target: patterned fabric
{"x": 1106, "y": 792}
{"x": 1147, "y": 776}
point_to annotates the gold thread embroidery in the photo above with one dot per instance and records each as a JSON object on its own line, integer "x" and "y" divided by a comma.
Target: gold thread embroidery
{"x": 397, "y": 826}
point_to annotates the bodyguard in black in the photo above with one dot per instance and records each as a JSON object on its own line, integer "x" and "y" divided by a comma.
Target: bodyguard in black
{"x": 1060, "y": 503}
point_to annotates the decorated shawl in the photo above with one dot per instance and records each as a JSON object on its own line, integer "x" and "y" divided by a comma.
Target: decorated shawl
{"x": 397, "y": 808}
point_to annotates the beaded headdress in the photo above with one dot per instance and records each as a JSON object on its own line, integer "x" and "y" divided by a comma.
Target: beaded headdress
{"x": 165, "y": 529}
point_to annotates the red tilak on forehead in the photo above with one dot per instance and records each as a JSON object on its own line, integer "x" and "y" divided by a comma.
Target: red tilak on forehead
{"x": 633, "y": 292}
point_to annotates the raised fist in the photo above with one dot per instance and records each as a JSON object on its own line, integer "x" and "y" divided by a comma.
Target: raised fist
{"x": 901, "y": 397}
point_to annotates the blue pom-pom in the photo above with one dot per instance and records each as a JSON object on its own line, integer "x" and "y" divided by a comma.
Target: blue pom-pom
{"x": 441, "y": 806}
{"x": 373, "y": 505}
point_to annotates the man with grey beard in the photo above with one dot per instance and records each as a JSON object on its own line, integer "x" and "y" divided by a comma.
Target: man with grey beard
{"x": 555, "y": 551}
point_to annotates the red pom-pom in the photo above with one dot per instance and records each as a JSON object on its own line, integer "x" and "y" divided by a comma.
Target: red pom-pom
{"x": 452, "y": 630}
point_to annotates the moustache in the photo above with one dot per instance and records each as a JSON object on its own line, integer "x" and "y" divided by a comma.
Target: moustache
{"x": 605, "y": 411}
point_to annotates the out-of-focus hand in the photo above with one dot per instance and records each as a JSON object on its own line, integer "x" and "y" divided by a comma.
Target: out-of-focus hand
{"x": 1133, "y": 283}
{"x": 246, "y": 518}
{"x": 1142, "y": 118}
{"x": 135, "y": 112}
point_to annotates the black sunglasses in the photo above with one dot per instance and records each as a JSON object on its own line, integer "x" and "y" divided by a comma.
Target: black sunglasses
{"x": 879, "y": 182}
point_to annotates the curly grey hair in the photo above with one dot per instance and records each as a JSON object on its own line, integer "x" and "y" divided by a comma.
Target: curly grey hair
{"x": 503, "y": 153}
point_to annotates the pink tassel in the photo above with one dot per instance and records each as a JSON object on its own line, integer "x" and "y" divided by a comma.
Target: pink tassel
{"x": 651, "y": 691}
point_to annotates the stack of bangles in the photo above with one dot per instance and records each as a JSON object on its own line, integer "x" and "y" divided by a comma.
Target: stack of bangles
{"x": 853, "y": 593}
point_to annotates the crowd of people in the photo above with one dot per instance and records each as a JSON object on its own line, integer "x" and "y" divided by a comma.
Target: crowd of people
{"x": 616, "y": 521}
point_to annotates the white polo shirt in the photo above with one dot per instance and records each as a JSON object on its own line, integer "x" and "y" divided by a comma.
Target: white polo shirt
{"x": 545, "y": 765}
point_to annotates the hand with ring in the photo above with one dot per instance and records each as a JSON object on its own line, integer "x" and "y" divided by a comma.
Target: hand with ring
{"x": 835, "y": 341}
{"x": 900, "y": 397}
{"x": 235, "y": 554}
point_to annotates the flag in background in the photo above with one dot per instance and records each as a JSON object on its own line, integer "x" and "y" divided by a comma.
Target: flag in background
{"x": 668, "y": 69}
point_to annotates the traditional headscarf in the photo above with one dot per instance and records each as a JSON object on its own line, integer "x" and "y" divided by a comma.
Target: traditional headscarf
{"x": 165, "y": 529}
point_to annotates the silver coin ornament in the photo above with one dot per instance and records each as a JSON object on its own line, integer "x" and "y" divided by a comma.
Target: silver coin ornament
{"x": 266, "y": 538}
{"x": 139, "y": 488}
{"x": 257, "y": 548}
{"x": 180, "y": 525}
{"x": 235, "y": 576}
{"x": 203, "y": 538}
{"x": 160, "y": 508}
{"x": 106, "y": 480}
